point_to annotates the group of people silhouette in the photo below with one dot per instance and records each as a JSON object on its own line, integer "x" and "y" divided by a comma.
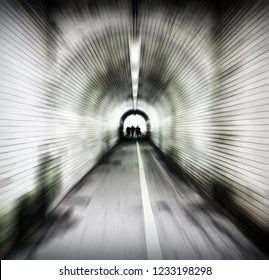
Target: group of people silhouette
{"x": 131, "y": 131}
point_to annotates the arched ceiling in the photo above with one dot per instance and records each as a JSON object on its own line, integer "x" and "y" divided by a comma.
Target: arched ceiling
{"x": 94, "y": 53}
{"x": 134, "y": 112}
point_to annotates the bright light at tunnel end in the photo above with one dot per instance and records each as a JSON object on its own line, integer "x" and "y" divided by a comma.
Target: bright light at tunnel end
{"x": 134, "y": 120}
{"x": 135, "y": 46}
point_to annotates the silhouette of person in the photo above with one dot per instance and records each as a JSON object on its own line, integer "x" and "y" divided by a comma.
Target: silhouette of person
{"x": 128, "y": 130}
{"x": 137, "y": 131}
{"x": 132, "y": 130}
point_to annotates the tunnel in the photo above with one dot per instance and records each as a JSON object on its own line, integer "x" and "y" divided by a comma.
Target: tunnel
{"x": 72, "y": 71}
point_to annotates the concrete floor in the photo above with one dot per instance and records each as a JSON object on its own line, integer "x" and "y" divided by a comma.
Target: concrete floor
{"x": 114, "y": 214}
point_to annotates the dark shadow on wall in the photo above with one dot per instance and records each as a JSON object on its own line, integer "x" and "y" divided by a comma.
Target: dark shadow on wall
{"x": 222, "y": 194}
{"x": 32, "y": 207}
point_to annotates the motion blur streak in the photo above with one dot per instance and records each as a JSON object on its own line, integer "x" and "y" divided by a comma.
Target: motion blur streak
{"x": 198, "y": 74}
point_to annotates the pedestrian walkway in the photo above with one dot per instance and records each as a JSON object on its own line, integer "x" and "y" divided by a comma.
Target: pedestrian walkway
{"x": 133, "y": 207}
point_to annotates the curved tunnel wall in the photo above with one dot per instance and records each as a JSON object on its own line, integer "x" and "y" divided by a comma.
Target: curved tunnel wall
{"x": 47, "y": 119}
{"x": 65, "y": 83}
{"x": 211, "y": 98}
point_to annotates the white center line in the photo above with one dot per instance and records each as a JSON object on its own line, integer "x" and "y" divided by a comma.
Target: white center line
{"x": 153, "y": 245}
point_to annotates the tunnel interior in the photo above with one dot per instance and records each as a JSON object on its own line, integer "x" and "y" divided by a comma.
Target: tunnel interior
{"x": 198, "y": 74}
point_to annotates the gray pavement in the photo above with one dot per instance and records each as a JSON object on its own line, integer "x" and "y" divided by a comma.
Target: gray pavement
{"x": 109, "y": 217}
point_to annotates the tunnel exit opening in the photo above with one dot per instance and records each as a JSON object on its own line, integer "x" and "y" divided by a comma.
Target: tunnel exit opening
{"x": 134, "y": 118}
{"x": 135, "y": 121}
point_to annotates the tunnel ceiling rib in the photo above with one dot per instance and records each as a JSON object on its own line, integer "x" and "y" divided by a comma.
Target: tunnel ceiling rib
{"x": 173, "y": 50}
{"x": 99, "y": 61}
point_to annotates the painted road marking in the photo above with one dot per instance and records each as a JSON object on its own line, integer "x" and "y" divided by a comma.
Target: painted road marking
{"x": 153, "y": 244}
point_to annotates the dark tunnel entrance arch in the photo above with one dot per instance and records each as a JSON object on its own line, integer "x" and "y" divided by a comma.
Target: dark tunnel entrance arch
{"x": 134, "y": 112}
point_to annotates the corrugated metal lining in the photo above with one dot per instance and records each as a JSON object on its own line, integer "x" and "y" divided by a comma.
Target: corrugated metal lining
{"x": 59, "y": 90}
{"x": 26, "y": 113}
{"x": 240, "y": 153}
{"x": 65, "y": 82}
{"x": 216, "y": 85}
{"x": 207, "y": 76}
